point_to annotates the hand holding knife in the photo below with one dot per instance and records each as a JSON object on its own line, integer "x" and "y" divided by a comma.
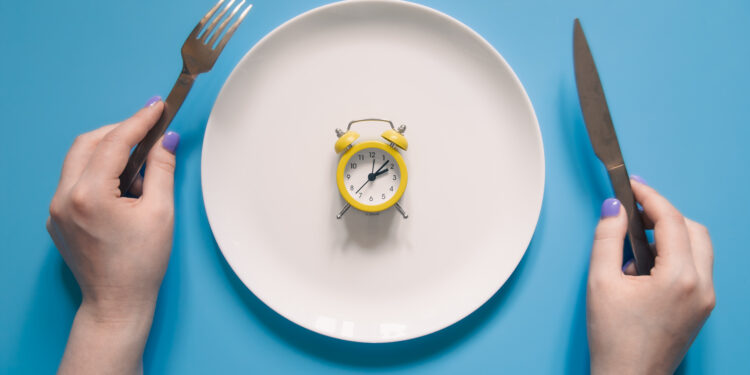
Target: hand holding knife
{"x": 607, "y": 148}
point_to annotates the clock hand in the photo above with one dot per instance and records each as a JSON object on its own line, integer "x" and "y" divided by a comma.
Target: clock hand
{"x": 381, "y": 172}
{"x": 373, "y": 166}
{"x": 382, "y": 166}
{"x": 371, "y": 176}
{"x": 363, "y": 185}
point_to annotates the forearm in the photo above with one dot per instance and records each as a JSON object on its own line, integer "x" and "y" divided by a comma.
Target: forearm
{"x": 99, "y": 345}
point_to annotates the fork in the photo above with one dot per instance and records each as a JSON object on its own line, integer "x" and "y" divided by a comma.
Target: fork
{"x": 198, "y": 56}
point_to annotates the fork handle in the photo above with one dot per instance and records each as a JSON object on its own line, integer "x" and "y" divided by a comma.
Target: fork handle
{"x": 171, "y": 106}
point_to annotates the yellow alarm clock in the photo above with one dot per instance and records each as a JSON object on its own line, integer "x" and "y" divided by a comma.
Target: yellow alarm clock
{"x": 371, "y": 175}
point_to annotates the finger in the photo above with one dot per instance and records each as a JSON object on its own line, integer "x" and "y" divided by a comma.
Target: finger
{"x": 670, "y": 231}
{"x": 53, "y": 234}
{"x": 136, "y": 189}
{"x": 158, "y": 184}
{"x": 78, "y": 156}
{"x": 703, "y": 253}
{"x": 112, "y": 152}
{"x": 647, "y": 222}
{"x": 629, "y": 268}
{"x": 606, "y": 252}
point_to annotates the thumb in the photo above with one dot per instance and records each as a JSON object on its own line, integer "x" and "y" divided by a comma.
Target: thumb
{"x": 158, "y": 180}
{"x": 606, "y": 252}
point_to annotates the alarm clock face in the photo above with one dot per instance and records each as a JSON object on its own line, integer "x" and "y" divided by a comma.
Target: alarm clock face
{"x": 372, "y": 176}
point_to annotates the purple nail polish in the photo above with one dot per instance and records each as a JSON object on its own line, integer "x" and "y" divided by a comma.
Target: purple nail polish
{"x": 610, "y": 207}
{"x": 638, "y": 178}
{"x": 154, "y": 99}
{"x": 170, "y": 141}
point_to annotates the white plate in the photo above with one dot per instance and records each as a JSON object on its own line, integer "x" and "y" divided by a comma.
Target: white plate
{"x": 475, "y": 162}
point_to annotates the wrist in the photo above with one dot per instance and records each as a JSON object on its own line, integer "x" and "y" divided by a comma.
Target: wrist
{"x": 626, "y": 365}
{"x": 103, "y": 340}
{"x": 118, "y": 310}
{"x": 116, "y": 315}
{"x": 128, "y": 325}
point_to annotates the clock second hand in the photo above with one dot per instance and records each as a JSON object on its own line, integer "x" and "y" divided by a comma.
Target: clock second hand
{"x": 363, "y": 185}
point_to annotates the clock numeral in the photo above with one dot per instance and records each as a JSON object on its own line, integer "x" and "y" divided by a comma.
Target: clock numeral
{"x": 360, "y": 195}
{"x": 394, "y": 177}
{"x": 361, "y": 157}
{"x": 372, "y": 155}
{"x": 348, "y": 176}
{"x": 351, "y": 187}
{"x": 382, "y": 196}
{"x": 383, "y": 156}
{"x": 391, "y": 188}
{"x": 354, "y": 165}
{"x": 392, "y": 166}
{"x": 371, "y": 198}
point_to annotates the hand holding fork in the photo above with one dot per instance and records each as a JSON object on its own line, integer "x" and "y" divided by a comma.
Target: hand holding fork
{"x": 118, "y": 247}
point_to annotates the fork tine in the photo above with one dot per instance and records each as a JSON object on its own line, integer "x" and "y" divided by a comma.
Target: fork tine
{"x": 224, "y": 24}
{"x": 216, "y": 20}
{"x": 205, "y": 19}
{"x": 231, "y": 30}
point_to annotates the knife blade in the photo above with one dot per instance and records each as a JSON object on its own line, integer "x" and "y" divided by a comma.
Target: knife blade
{"x": 606, "y": 147}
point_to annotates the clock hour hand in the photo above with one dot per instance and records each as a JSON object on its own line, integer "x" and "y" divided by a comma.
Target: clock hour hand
{"x": 376, "y": 174}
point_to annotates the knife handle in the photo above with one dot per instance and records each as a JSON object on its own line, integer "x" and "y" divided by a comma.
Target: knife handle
{"x": 644, "y": 258}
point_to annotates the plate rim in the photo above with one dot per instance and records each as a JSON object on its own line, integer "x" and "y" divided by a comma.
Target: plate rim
{"x": 516, "y": 81}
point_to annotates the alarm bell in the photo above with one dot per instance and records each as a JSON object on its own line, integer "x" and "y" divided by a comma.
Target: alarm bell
{"x": 345, "y": 140}
{"x": 396, "y": 138}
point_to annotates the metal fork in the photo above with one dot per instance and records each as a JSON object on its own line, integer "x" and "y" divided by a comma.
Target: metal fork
{"x": 198, "y": 56}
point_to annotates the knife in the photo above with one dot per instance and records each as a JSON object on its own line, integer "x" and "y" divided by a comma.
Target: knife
{"x": 604, "y": 139}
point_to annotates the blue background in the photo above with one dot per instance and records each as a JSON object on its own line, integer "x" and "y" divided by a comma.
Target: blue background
{"x": 675, "y": 74}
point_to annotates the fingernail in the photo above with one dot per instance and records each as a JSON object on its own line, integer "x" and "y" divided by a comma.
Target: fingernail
{"x": 610, "y": 207}
{"x": 638, "y": 178}
{"x": 170, "y": 141}
{"x": 628, "y": 263}
{"x": 154, "y": 99}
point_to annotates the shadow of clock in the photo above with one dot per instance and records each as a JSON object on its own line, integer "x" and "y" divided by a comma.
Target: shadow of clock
{"x": 368, "y": 231}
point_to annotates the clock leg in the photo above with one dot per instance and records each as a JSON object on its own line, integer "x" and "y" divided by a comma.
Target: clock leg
{"x": 401, "y": 210}
{"x": 343, "y": 211}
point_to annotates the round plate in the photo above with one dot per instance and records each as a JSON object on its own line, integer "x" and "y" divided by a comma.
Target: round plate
{"x": 475, "y": 159}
